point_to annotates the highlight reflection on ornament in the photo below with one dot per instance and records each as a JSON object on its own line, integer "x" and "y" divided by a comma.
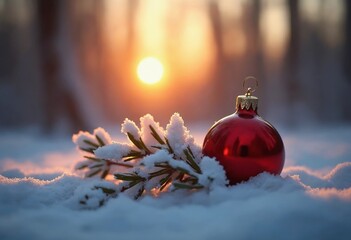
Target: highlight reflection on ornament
{"x": 244, "y": 143}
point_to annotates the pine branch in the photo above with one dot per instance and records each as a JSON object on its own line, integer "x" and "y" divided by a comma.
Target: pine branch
{"x": 190, "y": 181}
{"x": 164, "y": 173}
{"x": 102, "y": 166}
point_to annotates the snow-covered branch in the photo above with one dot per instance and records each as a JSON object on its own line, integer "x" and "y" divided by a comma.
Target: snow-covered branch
{"x": 154, "y": 159}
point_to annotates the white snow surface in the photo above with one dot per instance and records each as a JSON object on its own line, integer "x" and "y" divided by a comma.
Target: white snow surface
{"x": 112, "y": 151}
{"x": 40, "y": 194}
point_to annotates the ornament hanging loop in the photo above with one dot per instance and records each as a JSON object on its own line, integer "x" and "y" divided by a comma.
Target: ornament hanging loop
{"x": 250, "y": 90}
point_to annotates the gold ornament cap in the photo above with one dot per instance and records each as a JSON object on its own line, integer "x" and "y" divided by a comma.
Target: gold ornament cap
{"x": 247, "y": 101}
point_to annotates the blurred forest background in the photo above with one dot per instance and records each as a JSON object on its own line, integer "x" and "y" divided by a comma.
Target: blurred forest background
{"x": 71, "y": 64}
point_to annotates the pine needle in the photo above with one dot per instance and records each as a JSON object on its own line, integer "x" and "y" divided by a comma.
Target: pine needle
{"x": 165, "y": 181}
{"x": 169, "y": 146}
{"x": 93, "y": 158}
{"x": 140, "y": 192}
{"x": 134, "y": 141}
{"x": 82, "y": 166}
{"x": 158, "y": 173}
{"x": 156, "y": 136}
{"x": 191, "y": 161}
{"x": 89, "y": 150}
{"x": 101, "y": 142}
{"x": 144, "y": 146}
{"x": 186, "y": 186}
{"x": 106, "y": 190}
{"x": 104, "y": 174}
{"x": 96, "y": 165}
{"x": 91, "y": 143}
{"x": 93, "y": 173}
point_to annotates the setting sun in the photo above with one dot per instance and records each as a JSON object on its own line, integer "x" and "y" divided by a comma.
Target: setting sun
{"x": 150, "y": 70}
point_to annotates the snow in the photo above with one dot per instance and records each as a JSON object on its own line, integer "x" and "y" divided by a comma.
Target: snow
{"x": 213, "y": 174}
{"x": 42, "y": 197}
{"x": 158, "y": 157}
{"x": 129, "y": 126}
{"x": 176, "y": 131}
{"x": 115, "y": 150}
{"x": 145, "y": 122}
{"x": 81, "y": 136}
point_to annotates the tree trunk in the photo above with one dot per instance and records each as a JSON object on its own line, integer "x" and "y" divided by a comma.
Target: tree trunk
{"x": 347, "y": 40}
{"x": 60, "y": 102}
{"x": 292, "y": 57}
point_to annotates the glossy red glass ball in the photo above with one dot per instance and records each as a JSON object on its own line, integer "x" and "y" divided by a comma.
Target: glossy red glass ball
{"x": 245, "y": 145}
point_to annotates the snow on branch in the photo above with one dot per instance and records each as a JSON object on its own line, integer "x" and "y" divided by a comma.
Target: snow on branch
{"x": 154, "y": 160}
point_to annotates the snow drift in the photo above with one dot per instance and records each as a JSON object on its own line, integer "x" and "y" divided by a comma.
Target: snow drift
{"x": 40, "y": 197}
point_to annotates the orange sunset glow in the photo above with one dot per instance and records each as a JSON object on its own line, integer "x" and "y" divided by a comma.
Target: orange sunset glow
{"x": 131, "y": 57}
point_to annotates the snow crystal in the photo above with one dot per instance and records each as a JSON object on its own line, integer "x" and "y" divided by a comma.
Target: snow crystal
{"x": 113, "y": 151}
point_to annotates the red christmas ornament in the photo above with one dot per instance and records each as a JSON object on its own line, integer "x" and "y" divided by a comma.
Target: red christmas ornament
{"x": 244, "y": 143}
